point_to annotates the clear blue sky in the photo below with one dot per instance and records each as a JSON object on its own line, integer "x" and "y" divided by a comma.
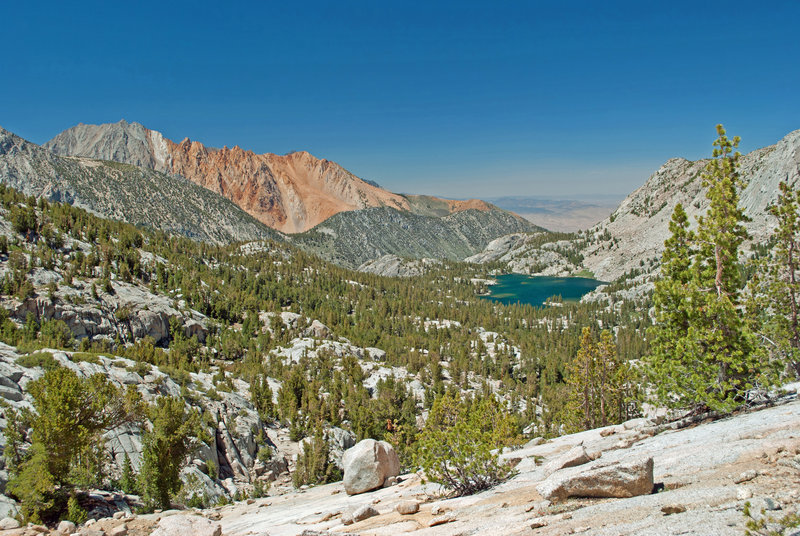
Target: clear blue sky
{"x": 452, "y": 98}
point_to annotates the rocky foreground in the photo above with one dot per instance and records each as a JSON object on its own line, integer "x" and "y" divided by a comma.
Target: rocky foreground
{"x": 703, "y": 474}
{"x": 708, "y": 472}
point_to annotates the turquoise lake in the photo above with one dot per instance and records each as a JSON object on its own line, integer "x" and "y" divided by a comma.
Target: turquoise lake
{"x": 534, "y": 290}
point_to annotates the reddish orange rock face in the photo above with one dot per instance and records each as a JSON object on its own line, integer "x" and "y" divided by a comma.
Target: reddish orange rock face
{"x": 290, "y": 193}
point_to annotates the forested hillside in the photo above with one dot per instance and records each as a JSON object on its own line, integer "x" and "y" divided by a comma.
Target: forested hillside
{"x": 305, "y": 348}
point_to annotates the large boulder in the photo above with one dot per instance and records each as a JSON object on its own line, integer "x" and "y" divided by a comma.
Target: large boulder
{"x": 619, "y": 480}
{"x": 367, "y": 466}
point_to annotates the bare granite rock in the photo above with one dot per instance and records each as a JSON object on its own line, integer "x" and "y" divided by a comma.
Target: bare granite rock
{"x": 394, "y": 266}
{"x": 8, "y": 523}
{"x": 441, "y": 520}
{"x": 66, "y": 527}
{"x": 368, "y": 464}
{"x": 364, "y": 512}
{"x": 407, "y": 507}
{"x": 628, "y": 479}
{"x": 573, "y": 457}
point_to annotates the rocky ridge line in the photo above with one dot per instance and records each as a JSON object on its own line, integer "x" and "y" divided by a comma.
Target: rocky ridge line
{"x": 125, "y": 192}
{"x": 291, "y": 193}
{"x": 632, "y": 238}
{"x": 640, "y": 225}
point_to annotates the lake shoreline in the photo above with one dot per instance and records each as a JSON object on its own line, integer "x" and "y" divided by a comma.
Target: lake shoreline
{"x": 538, "y": 291}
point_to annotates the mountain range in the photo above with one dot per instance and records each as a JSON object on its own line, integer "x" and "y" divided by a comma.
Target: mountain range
{"x": 291, "y": 193}
{"x": 128, "y": 172}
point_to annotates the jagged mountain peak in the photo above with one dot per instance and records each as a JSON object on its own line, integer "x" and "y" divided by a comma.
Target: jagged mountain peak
{"x": 129, "y": 143}
{"x": 291, "y": 193}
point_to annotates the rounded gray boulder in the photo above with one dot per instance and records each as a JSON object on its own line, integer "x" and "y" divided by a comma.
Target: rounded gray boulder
{"x": 368, "y": 464}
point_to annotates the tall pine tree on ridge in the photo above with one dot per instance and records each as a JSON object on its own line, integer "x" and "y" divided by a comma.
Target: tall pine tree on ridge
{"x": 704, "y": 355}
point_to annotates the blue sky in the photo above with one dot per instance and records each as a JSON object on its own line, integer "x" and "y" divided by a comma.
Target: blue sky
{"x": 462, "y": 99}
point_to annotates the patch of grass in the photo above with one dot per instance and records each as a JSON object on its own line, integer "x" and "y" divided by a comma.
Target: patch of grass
{"x": 86, "y": 357}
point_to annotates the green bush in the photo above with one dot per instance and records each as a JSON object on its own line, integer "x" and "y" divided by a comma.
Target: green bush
{"x": 265, "y": 454}
{"x": 38, "y": 359}
{"x": 260, "y": 489}
{"x": 75, "y": 512}
{"x": 211, "y": 469}
{"x": 455, "y": 448}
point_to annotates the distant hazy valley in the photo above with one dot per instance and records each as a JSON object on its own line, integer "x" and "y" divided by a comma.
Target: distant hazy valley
{"x": 565, "y": 215}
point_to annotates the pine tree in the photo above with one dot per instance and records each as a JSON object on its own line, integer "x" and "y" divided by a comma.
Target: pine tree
{"x": 582, "y": 381}
{"x": 261, "y": 396}
{"x": 671, "y": 298}
{"x": 776, "y": 285}
{"x": 724, "y": 350}
{"x": 600, "y": 385}
{"x": 703, "y": 354}
{"x": 314, "y": 465}
{"x": 128, "y": 480}
{"x": 166, "y": 447}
